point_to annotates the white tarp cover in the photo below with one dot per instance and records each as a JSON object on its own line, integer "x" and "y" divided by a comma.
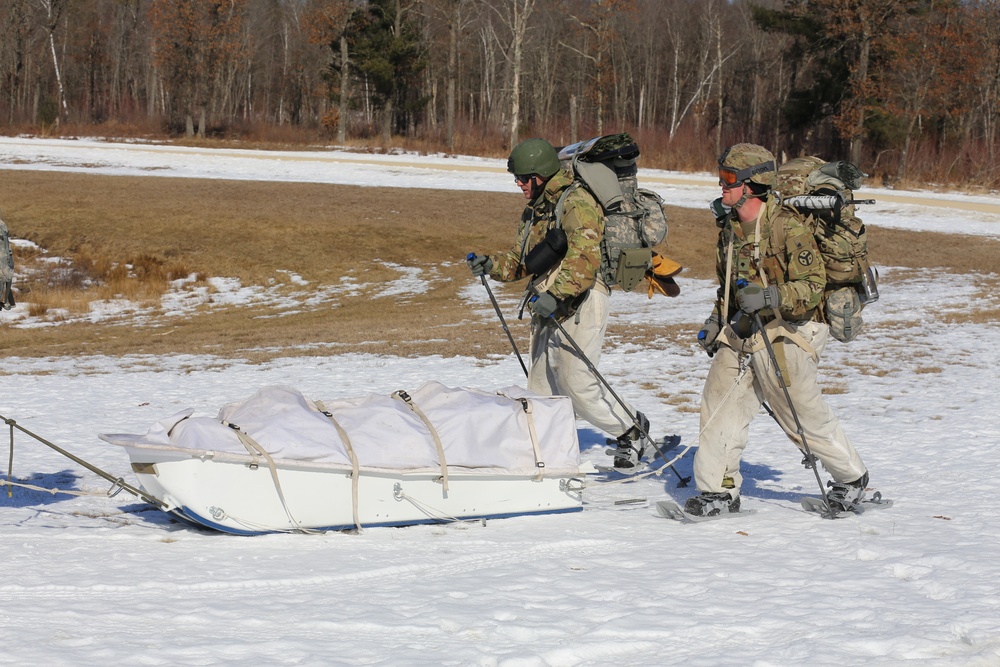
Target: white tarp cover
{"x": 477, "y": 429}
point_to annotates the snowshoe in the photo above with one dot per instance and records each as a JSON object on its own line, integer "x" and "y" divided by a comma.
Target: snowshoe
{"x": 843, "y": 496}
{"x": 712, "y": 504}
{"x": 668, "y": 509}
{"x": 817, "y": 505}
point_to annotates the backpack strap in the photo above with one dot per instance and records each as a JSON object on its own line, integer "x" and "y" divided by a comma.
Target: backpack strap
{"x": 561, "y": 204}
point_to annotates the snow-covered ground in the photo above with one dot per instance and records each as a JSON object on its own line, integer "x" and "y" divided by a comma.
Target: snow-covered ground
{"x": 93, "y": 580}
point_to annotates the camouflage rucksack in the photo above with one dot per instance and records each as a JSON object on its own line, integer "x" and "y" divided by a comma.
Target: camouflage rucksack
{"x": 6, "y": 269}
{"x": 634, "y": 220}
{"x": 823, "y": 191}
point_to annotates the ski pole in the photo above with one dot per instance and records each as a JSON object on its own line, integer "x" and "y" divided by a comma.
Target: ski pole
{"x": 829, "y": 514}
{"x": 635, "y": 420}
{"x": 503, "y": 322}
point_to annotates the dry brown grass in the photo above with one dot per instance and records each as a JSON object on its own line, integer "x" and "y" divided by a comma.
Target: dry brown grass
{"x": 127, "y": 237}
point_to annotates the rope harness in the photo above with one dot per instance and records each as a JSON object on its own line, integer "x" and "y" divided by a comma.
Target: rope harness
{"x": 118, "y": 484}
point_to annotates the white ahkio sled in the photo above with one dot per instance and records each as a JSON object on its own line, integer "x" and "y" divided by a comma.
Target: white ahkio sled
{"x": 279, "y": 462}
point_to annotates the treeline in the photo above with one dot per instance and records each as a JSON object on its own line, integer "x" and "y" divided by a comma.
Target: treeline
{"x": 909, "y": 89}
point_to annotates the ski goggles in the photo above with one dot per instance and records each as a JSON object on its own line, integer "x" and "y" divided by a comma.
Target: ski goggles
{"x": 728, "y": 177}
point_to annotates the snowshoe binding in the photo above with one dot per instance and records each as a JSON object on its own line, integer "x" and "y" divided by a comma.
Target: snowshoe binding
{"x": 706, "y": 507}
{"x": 628, "y": 446}
{"x": 712, "y": 504}
{"x": 845, "y": 496}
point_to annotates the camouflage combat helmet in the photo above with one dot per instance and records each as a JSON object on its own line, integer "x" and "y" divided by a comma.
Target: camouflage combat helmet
{"x": 533, "y": 156}
{"x": 744, "y": 163}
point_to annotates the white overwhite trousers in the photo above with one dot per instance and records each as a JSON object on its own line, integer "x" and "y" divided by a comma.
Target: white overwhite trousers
{"x": 557, "y": 368}
{"x": 729, "y": 403}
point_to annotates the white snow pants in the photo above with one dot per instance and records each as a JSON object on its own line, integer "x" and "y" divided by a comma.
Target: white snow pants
{"x": 557, "y": 369}
{"x": 728, "y": 414}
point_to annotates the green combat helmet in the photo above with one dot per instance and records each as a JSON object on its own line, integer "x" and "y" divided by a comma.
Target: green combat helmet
{"x": 533, "y": 156}
{"x": 747, "y": 162}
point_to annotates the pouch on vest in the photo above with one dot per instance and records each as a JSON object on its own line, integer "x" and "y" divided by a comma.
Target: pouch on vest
{"x": 547, "y": 253}
{"x": 842, "y": 309}
{"x": 633, "y": 263}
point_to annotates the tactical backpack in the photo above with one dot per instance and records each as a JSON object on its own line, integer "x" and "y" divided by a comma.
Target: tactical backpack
{"x": 634, "y": 219}
{"x": 823, "y": 191}
{"x": 6, "y": 269}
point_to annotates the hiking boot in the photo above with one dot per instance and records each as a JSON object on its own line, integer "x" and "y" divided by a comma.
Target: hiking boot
{"x": 629, "y": 448}
{"x": 844, "y": 496}
{"x": 711, "y": 504}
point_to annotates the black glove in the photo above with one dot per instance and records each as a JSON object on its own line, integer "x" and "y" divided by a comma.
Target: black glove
{"x": 754, "y": 297}
{"x": 709, "y": 332}
{"x": 543, "y": 305}
{"x": 480, "y": 265}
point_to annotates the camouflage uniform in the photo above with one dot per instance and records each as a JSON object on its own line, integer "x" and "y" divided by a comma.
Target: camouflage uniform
{"x": 797, "y": 268}
{"x": 731, "y": 398}
{"x": 555, "y": 366}
{"x": 583, "y": 224}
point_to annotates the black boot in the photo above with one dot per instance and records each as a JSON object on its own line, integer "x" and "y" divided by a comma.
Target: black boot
{"x": 844, "y": 496}
{"x": 629, "y": 445}
{"x": 711, "y": 504}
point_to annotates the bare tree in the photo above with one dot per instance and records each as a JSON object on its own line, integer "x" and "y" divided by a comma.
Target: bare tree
{"x": 53, "y": 10}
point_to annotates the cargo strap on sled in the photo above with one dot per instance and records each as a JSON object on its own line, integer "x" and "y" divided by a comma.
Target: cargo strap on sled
{"x": 528, "y": 412}
{"x": 405, "y": 398}
{"x": 256, "y": 451}
{"x": 354, "y": 461}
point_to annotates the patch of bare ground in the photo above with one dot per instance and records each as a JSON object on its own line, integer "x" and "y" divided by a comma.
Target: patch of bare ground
{"x": 128, "y": 237}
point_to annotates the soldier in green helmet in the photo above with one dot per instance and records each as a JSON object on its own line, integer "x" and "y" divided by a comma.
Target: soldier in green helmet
{"x": 563, "y": 259}
{"x": 781, "y": 283}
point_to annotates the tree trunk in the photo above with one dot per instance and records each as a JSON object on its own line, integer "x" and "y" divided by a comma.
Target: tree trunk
{"x": 52, "y": 14}
{"x": 342, "y": 105}
{"x": 574, "y": 121}
{"x": 860, "y": 83}
{"x": 452, "y": 74}
{"x": 519, "y": 26}
{"x": 387, "y": 112}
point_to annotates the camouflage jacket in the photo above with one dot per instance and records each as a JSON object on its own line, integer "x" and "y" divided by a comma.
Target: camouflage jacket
{"x": 796, "y": 267}
{"x": 584, "y": 226}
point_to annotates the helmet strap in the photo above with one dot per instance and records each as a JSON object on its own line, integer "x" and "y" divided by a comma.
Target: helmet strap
{"x": 537, "y": 185}
{"x": 747, "y": 195}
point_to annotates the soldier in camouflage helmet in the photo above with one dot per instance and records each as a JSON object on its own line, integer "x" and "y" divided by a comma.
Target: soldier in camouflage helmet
{"x": 784, "y": 286}
{"x": 568, "y": 287}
